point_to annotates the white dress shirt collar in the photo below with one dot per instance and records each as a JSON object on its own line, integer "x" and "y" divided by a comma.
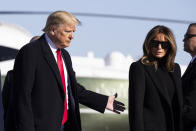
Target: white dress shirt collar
{"x": 50, "y": 43}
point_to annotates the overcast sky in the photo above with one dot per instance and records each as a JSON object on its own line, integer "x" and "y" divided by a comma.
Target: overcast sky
{"x": 104, "y": 35}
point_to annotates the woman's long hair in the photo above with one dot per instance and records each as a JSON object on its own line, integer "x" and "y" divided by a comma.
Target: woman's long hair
{"x": 149, "y": 59}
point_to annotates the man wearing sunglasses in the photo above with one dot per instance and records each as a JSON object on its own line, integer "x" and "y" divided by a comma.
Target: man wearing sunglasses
{"x": 189, "y": 81}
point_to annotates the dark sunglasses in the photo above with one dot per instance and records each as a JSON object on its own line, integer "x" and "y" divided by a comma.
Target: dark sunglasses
{"x": 188, "y": 36}
{"x": 164, "y": 45}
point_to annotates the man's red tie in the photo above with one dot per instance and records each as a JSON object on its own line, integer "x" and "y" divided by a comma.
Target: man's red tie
{"x": 61, "y": 70}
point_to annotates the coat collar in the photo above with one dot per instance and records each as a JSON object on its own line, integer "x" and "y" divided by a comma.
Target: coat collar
{"x": 152, "y": 73}
{"x": 49, "y": 57}
{"x": 71, "y": 73}
{"x": 188, "y": 69}
{"x": 163, "y": 91}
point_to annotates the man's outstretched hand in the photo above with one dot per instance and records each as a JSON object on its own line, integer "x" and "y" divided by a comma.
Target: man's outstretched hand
{"x": 115, "y": 106}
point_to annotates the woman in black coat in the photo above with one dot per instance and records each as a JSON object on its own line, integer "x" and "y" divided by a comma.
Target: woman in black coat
{"x": 155, "y": 97}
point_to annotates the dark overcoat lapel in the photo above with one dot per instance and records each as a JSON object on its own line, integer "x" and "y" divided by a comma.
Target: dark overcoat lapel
{"x": 71, "y": 74}
{"x": 47, "y": 53}
{"x": 151, "y": 71}
{"x": 162, "y": 90}
{"x": 189, "y": 68}
{"x": 73, "y": 100}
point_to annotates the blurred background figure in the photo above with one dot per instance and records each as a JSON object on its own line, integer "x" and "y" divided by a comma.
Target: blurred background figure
{"x": 155, "y": 98}
{"x": 8, "y": 99}
{"x": 8, "y": 102}
{"x": 34, "y": 38}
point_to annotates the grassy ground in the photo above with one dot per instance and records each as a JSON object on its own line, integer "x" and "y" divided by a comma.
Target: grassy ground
{"x": 104, "y": 122}
{"x": 2, "y": 80}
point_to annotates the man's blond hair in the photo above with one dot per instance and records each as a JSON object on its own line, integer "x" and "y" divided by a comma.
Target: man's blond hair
{"x": 60, "y": 17}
